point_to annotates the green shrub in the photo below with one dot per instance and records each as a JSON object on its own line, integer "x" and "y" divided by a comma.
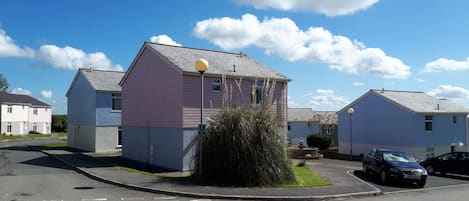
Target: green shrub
{"x": 245, "y": 147}
{"x": 321, "y": 142}
{"x": 59, "y": 123}
{"x": 301, "y": 164}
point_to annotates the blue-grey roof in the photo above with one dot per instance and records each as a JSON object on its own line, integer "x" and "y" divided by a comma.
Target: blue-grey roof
{"x": 100, "y": 80}
{"x": 421, "y": 102}
{"x": 20, "y": 99}
{"x": 220, "y": 63}
{"x": 300, "y": 114}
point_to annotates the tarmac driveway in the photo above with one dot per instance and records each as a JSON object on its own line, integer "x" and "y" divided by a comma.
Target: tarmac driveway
{"x": 355, "y": 167}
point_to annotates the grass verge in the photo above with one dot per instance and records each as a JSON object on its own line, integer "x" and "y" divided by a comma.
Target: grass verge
{"x": 10, "y": 137}
{"x": 38, "y": 136}
{"x": 62, "y": 135}
{"x": 305, "y": 177}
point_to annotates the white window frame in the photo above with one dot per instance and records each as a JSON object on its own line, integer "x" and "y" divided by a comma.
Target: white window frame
{"x": 10, "y": 108}
{"x": 35, "y": 111}
{"x": 258, "y": 86}
{"x": 116, "y": 97}
{"x": 9, "y": 128}
{"x": 35, "y": 127}
{"x": 216, "y": 85}
{"x": 428, "y": 120}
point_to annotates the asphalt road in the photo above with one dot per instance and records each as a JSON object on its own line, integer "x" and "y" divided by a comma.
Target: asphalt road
{"x": 30, "y": 175}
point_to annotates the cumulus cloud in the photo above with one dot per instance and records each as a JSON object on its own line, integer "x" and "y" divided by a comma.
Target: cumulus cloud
{"x": 20, "y": 90}
{"x": 325, "y": 99}
{"x": 47, "y": 94}
{"x": 450, "y": 92}
{"x": 8, "y": 48}
{"x": 357, "y": 84}
{"x": 326, "y": 7}
{"x": 71, "y": 58}
{"x": 282, "y": 37}
{"x": 443, "y": 64}
{"x": 164, "y": 39}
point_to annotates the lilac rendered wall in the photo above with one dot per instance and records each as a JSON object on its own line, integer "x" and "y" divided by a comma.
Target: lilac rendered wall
{"x": 152, "y": 94}
{"x": 213, "y": 100}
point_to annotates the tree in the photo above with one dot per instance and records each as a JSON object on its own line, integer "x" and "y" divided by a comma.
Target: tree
{"x": 3, "y": 83}
{"x": 59, "y": 123}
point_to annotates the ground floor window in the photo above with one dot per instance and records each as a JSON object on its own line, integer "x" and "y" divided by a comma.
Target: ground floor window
{"x": 8, "y": 127}
{"x": 35, "y": 127}
{"x": 119, "y": 136}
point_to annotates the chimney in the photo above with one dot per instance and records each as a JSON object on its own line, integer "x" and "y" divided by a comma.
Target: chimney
{"x": 234, "y": 67}
{"x": 382, "y": 90}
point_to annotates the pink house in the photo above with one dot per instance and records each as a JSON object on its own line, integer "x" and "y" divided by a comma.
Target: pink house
{"x": 161, "y": 99}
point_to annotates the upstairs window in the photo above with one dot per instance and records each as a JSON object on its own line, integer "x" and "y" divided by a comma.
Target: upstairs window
{"x": 329, "y": 129}
{"x": 454, "y": 120}
{"x": 116, "y": 101}
{"x": 10, "y": 109}
{"x": 216, "y": 85}
{"x": 256, "y": 94}
{"x": 35, "y": 111}
{"x": 428, "y": 123}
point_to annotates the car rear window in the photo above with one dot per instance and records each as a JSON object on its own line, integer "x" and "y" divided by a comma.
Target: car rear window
{"x": 398, "y": 157}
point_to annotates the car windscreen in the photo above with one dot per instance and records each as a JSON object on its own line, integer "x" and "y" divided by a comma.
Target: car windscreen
{"x": 398, "y": 157}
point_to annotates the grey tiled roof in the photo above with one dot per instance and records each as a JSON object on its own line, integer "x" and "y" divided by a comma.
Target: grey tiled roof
{"x": 325, "y": 117}
{"x": 220, "y": 63}
{"x": 420, "y": 102}
{"x": 300, "y": 114}
{"x": 20, "y": 99}
{"x": 102, "y": 80}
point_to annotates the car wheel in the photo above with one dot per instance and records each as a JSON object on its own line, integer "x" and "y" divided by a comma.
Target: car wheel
{"x": 383, "y": 177}
{"x": 430, "y": 169}
{"x": 365, "y": 170}
{"x": 421, "y": 183}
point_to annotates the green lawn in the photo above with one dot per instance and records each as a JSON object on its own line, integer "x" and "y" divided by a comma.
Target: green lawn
{"x": 305, "y": 177}
{"x": 37, "y": 135}
{"x": 62, "y": 134}
{"x": 10, "y": 137}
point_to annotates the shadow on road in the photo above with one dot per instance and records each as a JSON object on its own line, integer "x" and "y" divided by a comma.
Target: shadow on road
{"x": 46, "y": 161}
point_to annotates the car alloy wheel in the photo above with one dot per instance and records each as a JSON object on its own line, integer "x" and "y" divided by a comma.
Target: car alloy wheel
{"x": 430, "y": 169}
{"x": 383, "y": 177}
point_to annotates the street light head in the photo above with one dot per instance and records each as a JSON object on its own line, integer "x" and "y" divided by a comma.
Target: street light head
{"x": 350, "y": 111}
{"x": 201, "y": 65}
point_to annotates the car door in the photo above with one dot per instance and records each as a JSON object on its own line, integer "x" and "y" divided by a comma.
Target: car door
{"x": 449, "y": 163}
{"x": 465, "y": 163}
{"x": 377, "y": 161}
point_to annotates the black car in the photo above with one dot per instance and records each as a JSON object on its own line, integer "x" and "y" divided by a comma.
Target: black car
{"x": 454, "y": 162}
{"x": 393, "y": 165}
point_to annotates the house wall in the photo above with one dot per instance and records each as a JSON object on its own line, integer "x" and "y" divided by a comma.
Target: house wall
{"x": 105, "y": 116}
{"x": 42, "y": 119}
{"x": 377, "y": 122}
{"x": 81, "y": 118}
{"x": 152, "y": 93}
{"x": 213, "y": 100}
{"x": 82, "y": 137}
{"x": 301, "y": 129}
{"x": 106, "y": 138}
{"x": 18, "y": 119}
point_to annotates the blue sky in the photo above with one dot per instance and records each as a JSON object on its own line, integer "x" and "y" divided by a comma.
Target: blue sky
{"x": 333, "y": 50}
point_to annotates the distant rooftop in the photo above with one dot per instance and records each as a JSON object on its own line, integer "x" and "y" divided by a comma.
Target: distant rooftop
{"x": 300, "y": 114}
{"x": 220, "y": 63}
{"x": 102, "y": 80}
{"x": 421, "y": 102}
{"x": 20, "y": 99}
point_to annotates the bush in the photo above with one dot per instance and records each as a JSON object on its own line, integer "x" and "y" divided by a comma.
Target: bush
{"x": 33, "y": 132}
{"x": 244, "y": 147}
{"x": 321, "y": 142}
{"x": 59, "y": 123}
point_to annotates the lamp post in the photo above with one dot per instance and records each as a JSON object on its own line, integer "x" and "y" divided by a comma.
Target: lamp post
{"x": 201, "y": 65}
{"x": 350, "y": 111}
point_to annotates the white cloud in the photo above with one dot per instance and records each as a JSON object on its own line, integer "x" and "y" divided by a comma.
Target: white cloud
{"x": 325, "y": 99}
{"x": 164, "y": 39}
{"x": 8, "y": 48}
{"x": 291, "y": 103}
{"x": 450, "y": 92}
{"x": 443, "y": 64}
{"x": 282, "y": 37}
{"x": 420, "y": 80}
{"x": 20, "y": 90}
{"x": 71, "y": 58}
{"x": 357, "y": 84}
{"x": 326, "y": 7}
{"x": 46, "y": 94}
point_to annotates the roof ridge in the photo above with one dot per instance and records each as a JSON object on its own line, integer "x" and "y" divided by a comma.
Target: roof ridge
{"x": 100, "y": 70}
{"x": 194, "y": 48}
{"x": 388, "y": 90}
